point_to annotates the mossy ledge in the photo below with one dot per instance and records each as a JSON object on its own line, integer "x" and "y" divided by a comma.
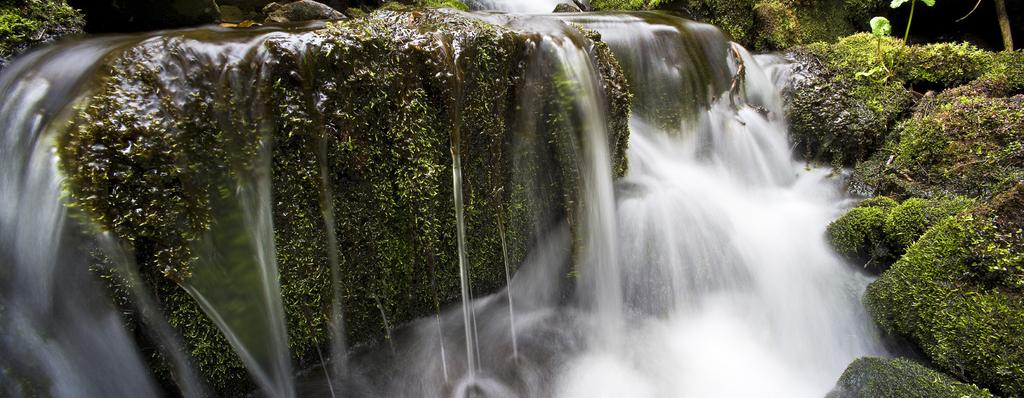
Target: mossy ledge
{"x": 176, "y": 119}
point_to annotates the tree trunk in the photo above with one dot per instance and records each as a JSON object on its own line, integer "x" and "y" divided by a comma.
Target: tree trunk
{"x": 1004, "y": 24}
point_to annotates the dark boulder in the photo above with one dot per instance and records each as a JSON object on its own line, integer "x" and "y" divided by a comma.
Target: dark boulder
{"x": 302, "y": 10}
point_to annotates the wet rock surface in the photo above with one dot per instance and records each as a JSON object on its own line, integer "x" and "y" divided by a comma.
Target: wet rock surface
{"x": 378, "y": 95}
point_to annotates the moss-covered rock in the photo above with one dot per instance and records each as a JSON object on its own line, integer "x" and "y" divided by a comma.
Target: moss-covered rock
{"x": 958, "y": 293}
{"x": 962, "y": 141}
{"x": 900, "y": 378}
{"x": 837, "y": 116}
{"x": 455, "y": 4}
{"x": 362, "y": 116}
{"x": 847, "y": 98}
{"x": 859, "y": 234}
{"x": 879, "y": 230}
{"x": 905, "y": 224}
{"x": 28, "y": 23}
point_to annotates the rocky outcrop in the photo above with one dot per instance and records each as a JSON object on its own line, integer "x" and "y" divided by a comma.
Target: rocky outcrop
{"x": 936, "y": 128}
{"x": 362, "y": 115}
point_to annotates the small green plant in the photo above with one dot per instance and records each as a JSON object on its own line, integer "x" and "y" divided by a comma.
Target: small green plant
{"x": 882, "y": 28}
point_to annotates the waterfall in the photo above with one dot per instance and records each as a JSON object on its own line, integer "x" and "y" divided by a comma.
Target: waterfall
{"x": 700, "y": 272}
{"x": 55, "y": 326}
{"x": 703, "y": 272}
{"x": 720, "y": 236}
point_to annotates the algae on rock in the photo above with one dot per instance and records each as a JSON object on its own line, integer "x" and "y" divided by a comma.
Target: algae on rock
{"x": 376, "y": 99}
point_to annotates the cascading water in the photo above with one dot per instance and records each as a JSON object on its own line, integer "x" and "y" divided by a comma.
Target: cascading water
{"x": 715, "y": 280}
{"x": 733, "y": 291}
{"x": 700, "y": 273}
{"x": 54, "y": 329}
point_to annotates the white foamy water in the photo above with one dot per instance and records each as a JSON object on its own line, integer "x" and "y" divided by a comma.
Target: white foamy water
{"x": 730, "y": 286}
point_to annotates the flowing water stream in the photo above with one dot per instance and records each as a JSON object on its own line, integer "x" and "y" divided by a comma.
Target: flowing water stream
{"x": 702, "y": 272}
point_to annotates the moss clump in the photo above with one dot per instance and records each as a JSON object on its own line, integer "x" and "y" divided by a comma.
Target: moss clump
{"x": 957, "y": 294}
{"x": 963, "y": 141}
{"x": 879, "y": 230}
{"x": 626, "y": 5}
{"x": 362, "y": 115}
{"x": 786, "y": 23}
{"x": 912, "y": 218}
{"x": 27, "y": 23}
{"x": 899, "y": 378}
{"x": 455, "y": 4}
{"x": 1008, "y": 67}
{"x": 847, "y": 97}
{"x": 859, "y": 236}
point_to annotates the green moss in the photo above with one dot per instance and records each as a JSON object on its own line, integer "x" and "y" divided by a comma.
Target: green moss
{"x": 14, "y": 28}
{"x": 900, "y": 378}
{"x": 912, "y": 218}
{"x": 27, "y": 23}
{"x": 858, "y": 235}
{"x": 734, "y": 17}
{"x": 787, "y": 23}
{"x": 957, "y": 294}
{"x": 626, "y": 5}
{"x": 370, "y": 106}
{"x": 964, "y": 141}
{"x": 1008, "y": 67}
{"x": 850, "y": 95}
{"x": 883, "y": 202}
{"x": 456, "y": 4}
{"x": 879, "y": 230}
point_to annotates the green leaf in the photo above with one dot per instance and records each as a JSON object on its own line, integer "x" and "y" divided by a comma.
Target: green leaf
{"x": 929, "y": 3}
{"x": 898, "y": 3}
{"x": 880, "y": 26}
